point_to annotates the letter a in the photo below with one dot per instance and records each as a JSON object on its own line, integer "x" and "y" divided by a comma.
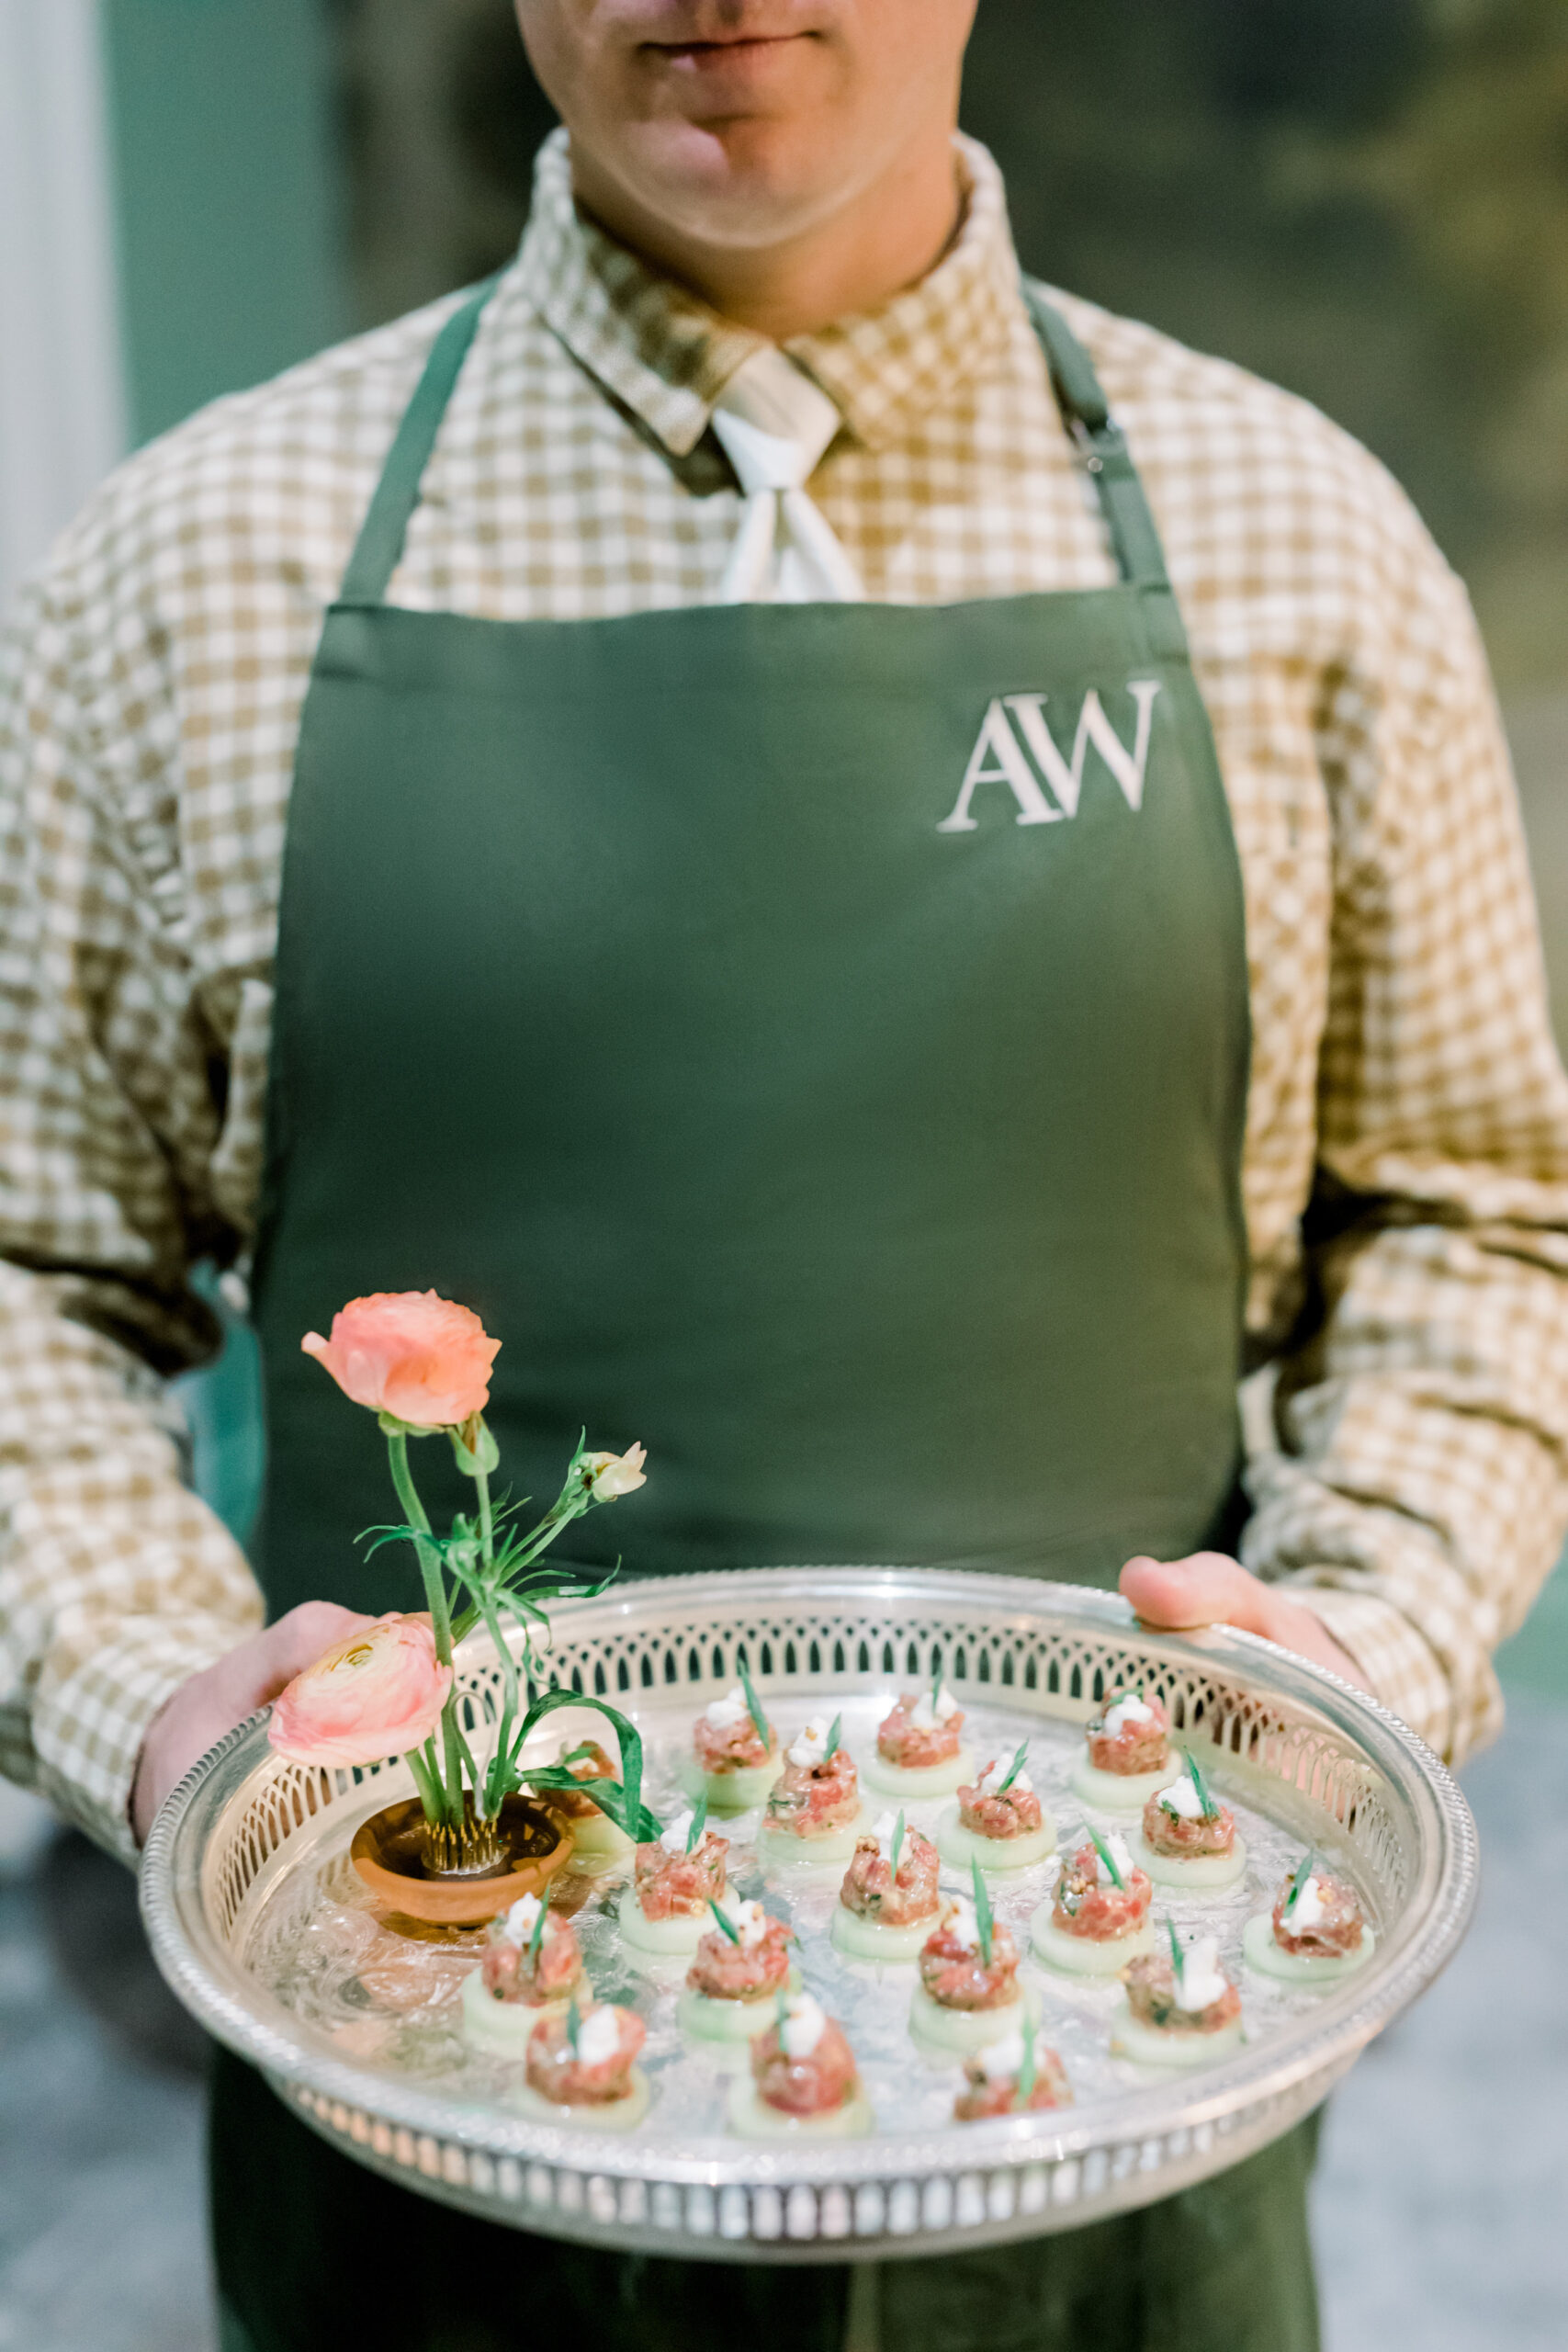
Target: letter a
{"x": 998, "y": 741}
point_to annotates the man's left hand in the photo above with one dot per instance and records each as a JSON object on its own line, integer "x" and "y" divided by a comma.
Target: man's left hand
{"x": 1210, "y": 1589}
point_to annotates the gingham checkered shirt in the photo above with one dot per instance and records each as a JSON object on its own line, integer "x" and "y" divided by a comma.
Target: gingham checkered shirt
{"x": 1406, "y": 1436}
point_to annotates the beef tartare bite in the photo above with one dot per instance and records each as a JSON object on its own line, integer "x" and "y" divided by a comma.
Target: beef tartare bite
{"x": 1098, "y": 1918}
{"x": 813, "y": 1814}
{"x": 1178, "y": 2011}
{"x": 1018, "y": 2075}
{"x": 999, "y": 1820}
{"x": 741, "y": 1965}
{"x": 531, "y": 1966}
{"x": 920, "y": 1752}
{"x": 1315, "y": 1932}
{"x": 1186, "y": 1838}
{"x": 582, "y": 2068}
{"x": 596, "y": 1838}
{"x": 732, "y": 1763}
{"x": 1126, "y": 1755}
{"x": 803, "y": 2081}
{"x": 885, "y": 1913}
{"x": 676, "y": 1876}
{"x": 968, "y": 1993}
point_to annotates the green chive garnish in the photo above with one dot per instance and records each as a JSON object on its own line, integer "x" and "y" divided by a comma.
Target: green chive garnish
{"x": 1103, "y": 1850}
{"x": 936, "y": 1683}
{"x": 1211, "y": 1809}
{"x": 754, "y": 1705}
{"x": 573, "y": 2023}
{"x": 1303, "y": 1871}
{"x": 723, "y": 1917}
{"x": 1014, "y": 1768}
{"x": 1026, "y": 2072}
{"x": 537, "y": 1937}
{"x": 982, "y": 1909}
{"x": 699, "y": 1824}
{"x": 837, "y": 1727}
{"x": 897, "y": 1840}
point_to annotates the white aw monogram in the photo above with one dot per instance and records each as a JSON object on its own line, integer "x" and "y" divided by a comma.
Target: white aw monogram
{"x": 998, "y": 756}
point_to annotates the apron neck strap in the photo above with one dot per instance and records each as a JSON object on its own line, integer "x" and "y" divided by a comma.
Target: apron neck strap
{"x": 1101, "y": 445}
{"x": 380, "y": 546}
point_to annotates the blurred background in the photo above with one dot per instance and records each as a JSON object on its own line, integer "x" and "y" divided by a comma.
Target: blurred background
{"x": 1366, "y": 200}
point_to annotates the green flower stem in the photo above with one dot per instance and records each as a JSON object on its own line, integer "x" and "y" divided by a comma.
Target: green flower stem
{"x": 440, "y": 1616}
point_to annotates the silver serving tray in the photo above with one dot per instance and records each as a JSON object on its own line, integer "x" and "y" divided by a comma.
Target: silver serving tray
{"x": 246, "y": 1883}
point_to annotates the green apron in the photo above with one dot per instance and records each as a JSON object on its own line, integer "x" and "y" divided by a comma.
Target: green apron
{"x": 814, "y": 1039}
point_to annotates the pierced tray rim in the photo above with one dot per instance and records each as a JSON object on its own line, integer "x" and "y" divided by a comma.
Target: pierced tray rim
{"x": 1305, "y": 2056}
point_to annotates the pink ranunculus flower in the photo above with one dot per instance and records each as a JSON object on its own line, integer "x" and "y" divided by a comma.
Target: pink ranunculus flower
{"x": 617, "y": 1473}
{"x": 375, "y": 1695}
{"x": 423, "y": 1360}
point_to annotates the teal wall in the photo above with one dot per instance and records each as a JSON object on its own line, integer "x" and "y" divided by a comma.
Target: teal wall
{"x": 229, "y": 203}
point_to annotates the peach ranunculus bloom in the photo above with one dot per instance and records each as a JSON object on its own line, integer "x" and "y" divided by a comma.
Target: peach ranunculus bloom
{"x": 617, "y": 1473}
{"x": 377, "y": 1693}
{"x": 423, "y": 1360}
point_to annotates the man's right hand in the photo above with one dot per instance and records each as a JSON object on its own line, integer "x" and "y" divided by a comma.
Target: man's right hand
{"x": 203, "y": 1709}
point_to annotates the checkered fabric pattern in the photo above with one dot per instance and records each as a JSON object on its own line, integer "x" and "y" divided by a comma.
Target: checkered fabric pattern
{"x": 1407, "y": 1432}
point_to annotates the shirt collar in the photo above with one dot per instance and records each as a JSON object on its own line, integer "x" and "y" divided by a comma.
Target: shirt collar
{"x": 666, "y": 357}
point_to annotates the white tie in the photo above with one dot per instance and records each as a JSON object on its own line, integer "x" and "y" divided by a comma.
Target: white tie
{"x": 774, "y": 424}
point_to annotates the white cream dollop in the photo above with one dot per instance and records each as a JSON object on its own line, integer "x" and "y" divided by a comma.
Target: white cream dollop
{"x": 1309, "y": 1909}
{"x": 1002, "y": 2061}
{"x": 749, "y": 1920}
{"x": 673, "y": 1839}
{"x": 923, "y": 1716}
{"x": 725, "y": 1713}
{"x": 993, "y": 1776}
{"x": 1200, "y": 1982}
{"x": 1117, "y": 1849}
{"x": 599, "y": 2036}
{"x": 1124, "y": 1710}
{"x": 1182, "y": 1798}
{"x": 962, "y": 1923}
{"x": 810, "y": 1747}
{"x": 804, "y": 2023}
{"x": 520, "y": 1920}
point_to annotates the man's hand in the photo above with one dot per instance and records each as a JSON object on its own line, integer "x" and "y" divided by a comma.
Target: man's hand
{"x": 1210, "y": 1589}
{"x": 203, "y": 1709}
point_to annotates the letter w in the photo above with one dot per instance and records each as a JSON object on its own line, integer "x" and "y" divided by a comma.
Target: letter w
{"x": 1127, "y": 766}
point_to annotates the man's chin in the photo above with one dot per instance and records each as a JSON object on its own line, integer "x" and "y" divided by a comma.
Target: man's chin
{"x": 739, "y": 184}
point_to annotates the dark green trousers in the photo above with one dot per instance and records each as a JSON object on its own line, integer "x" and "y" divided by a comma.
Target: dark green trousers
{"x": 316, "y": 2254}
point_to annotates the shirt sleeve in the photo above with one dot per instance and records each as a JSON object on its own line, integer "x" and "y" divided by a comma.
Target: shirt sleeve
{"x": 1406, "y": 1452}
{"x": 115, "y": 1581}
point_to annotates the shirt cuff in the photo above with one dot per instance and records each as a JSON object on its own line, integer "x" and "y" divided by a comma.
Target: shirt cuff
{"x": 1400, "y": 1667}
{"x": 87, "y": 1729}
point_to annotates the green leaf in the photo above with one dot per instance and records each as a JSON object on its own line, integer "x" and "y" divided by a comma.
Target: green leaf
{"x": 1014, "y": 1768}
{"x": 1178, "y": 1956}
{"x": 699, "y": 1824}
{"x": 754, "y": 1706}
{"x": 834, "y": 1729}
{"x": 537, "y": 1937}
{"x": 573, "y": 2023}
{"x": 1103, "y": 1850}
{"x": 732, "y": 1932}
{"x": 982, "y": 1909}
{"x": 1302, "y": 1872}
{"x": 616, "y": 1802}
{"x": 1211, "y": 1809}
{"x": 936, "y": 1682}
{"x": 897, "y": 1840}
{"x": 621, "y": 1799}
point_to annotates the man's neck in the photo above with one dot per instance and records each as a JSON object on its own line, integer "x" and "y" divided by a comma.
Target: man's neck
{"x": 891, "y": 238}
